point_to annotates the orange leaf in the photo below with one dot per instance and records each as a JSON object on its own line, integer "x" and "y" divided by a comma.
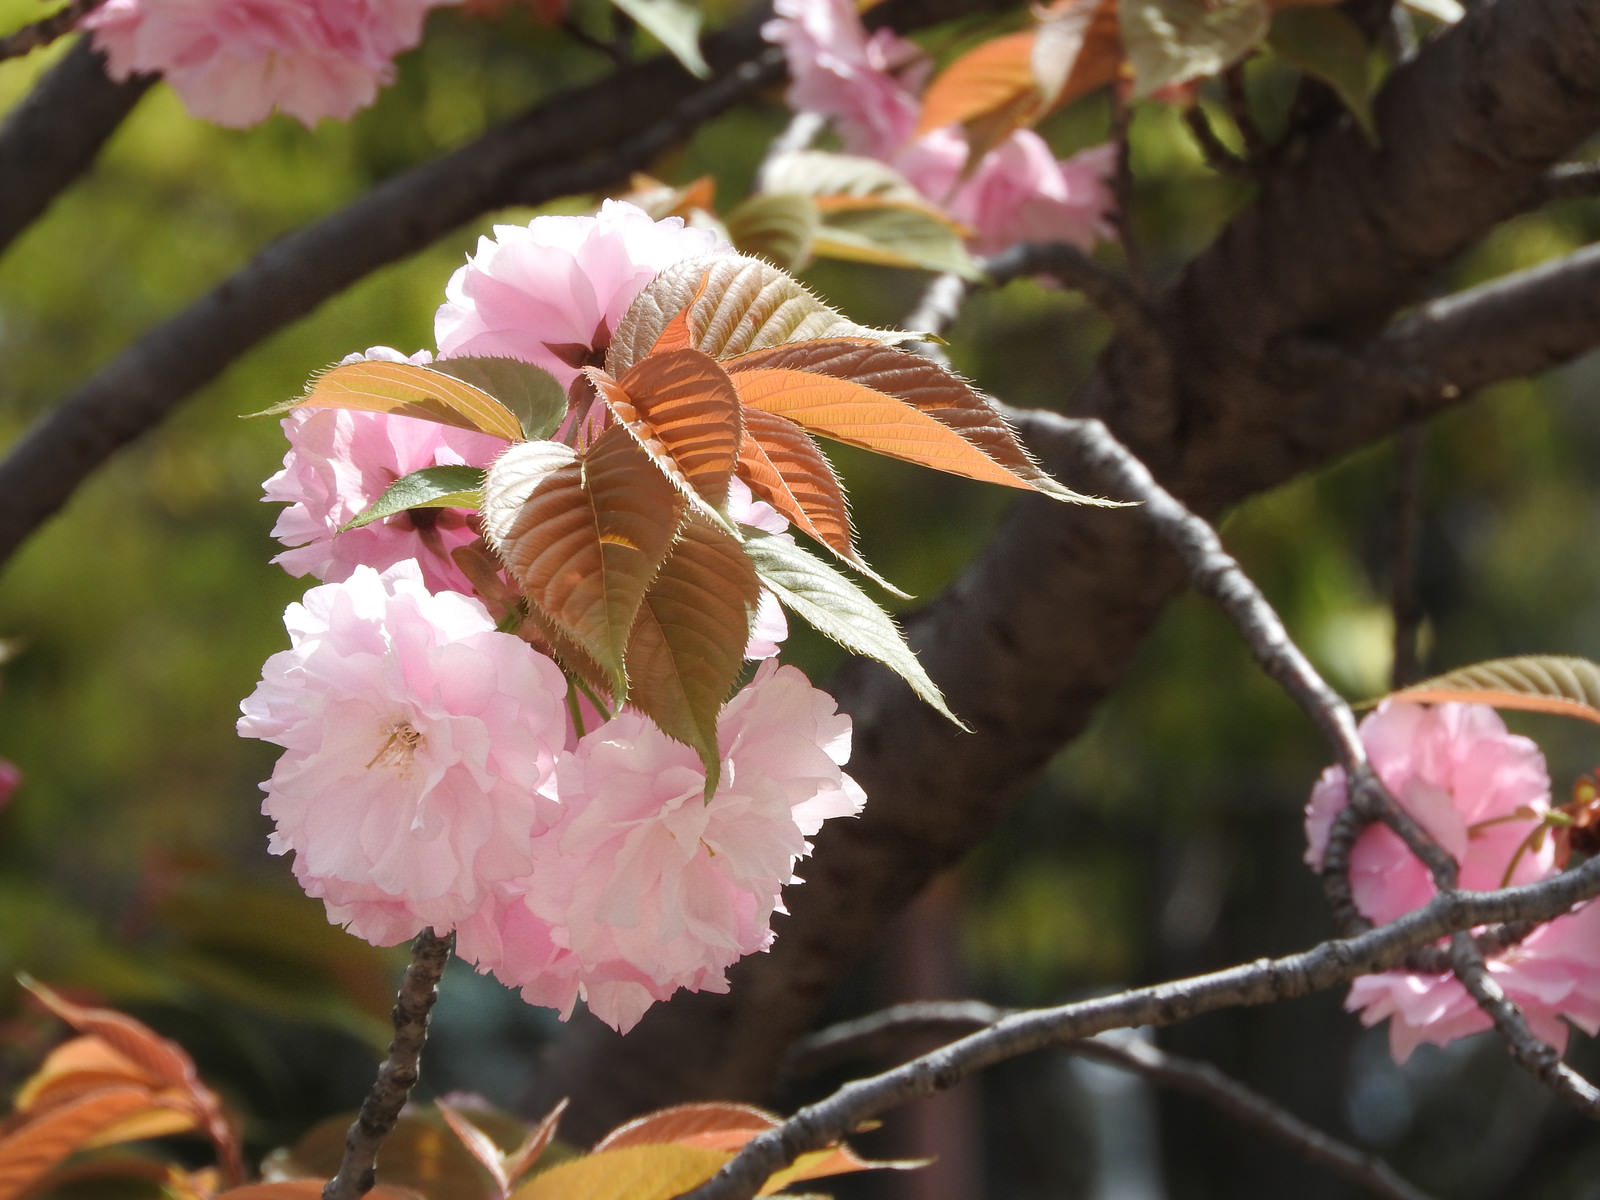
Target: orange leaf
{"x": 684, "y": 1120}
{"x": 682, "y": 408}
{"x": 1544, "y": 683}
{"x": 409, "y": 390}
{"x": 31, "y": 1150}
{"x": 307, "y": 1189}
{"x": 998, "y": 75}
{"x": 539, "y": 1138}
{"x": 837, "y": 1159}
{"x": 629, "y": 1173}
{"x": 858, "y": 415}
{"x": 83, "y": 1064}
{"x": 687, "y": 647}
{"x": 478, "y": 1144}
{"x": 783, "y": 466}
{"x": 583, "y": 538}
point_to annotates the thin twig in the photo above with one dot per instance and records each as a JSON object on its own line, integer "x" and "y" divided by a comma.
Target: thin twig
{"x": 1265, "y": 981}
{"x": 1251, "y": 1109}
{"x": 1255, "y": 145}
{"x": 1572, "y": 181}
{"x": 358, "y": 1171}
{"x": 881, "y": 1032}
{"x": 1122, "y": 192}
{"x": 47, "y": 29}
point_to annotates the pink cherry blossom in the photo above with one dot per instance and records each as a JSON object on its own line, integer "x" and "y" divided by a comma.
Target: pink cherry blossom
{"x": 1553, "y": 973}
{"x": 340, "y": 462}
{"x": 1476, "y": 788}
{"x": 551, "y": 292}
{"x": 416, "y": 741}
{"x": 1019, "y": 192}
{"x": 234, "y": 61}
{"x": 838, "y": 71}
{"x": 642, "y": 886}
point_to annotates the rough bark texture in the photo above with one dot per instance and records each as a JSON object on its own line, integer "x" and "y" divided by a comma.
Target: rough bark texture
{"x": 1038, "y": 630}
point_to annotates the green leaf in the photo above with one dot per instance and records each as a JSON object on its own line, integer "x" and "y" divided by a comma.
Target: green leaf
{"x": 583, "y": 537}
{"x": 1325, "y": 43}
{"x": 407, "y": 390}
{"x": 1174, "y": 41}
{"x": 431, "y": 487}
{"x": 688, "y": 642}
{"x": 1547, "y": 683}
{"x": 823, "y": 173}
{"x": 734, "y": 304}
{"x": 776, "y": 226}
{"x": 676, "y": 26}
{"x": 532, "y": 393}
{"x": 839, "y": 610}
{"x": 892, "y": 233}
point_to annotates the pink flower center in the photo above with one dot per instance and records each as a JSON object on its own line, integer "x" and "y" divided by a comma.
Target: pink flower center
{"x": 399, "y": 748}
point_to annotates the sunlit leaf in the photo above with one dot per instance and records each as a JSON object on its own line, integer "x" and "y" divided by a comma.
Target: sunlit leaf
{"x": 824, "y": 173}
{"x": 629, "y": 1173}
{"x": 1447, "y": 11}
{"x": 407, "y": 390}
{"x": 159, "y": 1058}
{"x": 892, "y": 233}
{"x": 583, "y": 537}
{"x": 522, "y": 1159}
{"x": 837, "y": 1159}
{"x": 783, "y": 466}
{"x": 682, "y": 1122}
{"x": 777, "y": 226}
{"x": 33, "y": 1148}
{"x": 81, "y": 1065}
{"x": 734, "y": 304}
{"x": 676, "y": 25}
{"x": 688, "y": 642}
{"x": 1546, "y": 683}
{"x": 996, "y": 75}
{"x": 839, "y": 610}
{"x": 682, "y": 409}
{"x": 923, "y": 384}
{"x": 1324, "y": 42}
{"x": 534, "y": 395}
{"x": 1173, "y": 41}
{"x": 1058, "y": 45}
{"x": 449, "y": 486}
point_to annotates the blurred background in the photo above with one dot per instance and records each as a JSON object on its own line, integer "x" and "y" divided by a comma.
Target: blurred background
{"x": 1166, "y": 841}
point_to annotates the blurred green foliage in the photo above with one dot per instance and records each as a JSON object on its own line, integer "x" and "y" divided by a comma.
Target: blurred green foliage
{"x": 132, "y": 860}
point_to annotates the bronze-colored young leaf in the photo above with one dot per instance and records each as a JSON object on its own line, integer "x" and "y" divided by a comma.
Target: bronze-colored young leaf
{"x": 476, "y": 1143}
{"x": 534, "y": 395}
{"x": 407, "y": 390}
{"x": 687, "y": 1124}
{"x": 521, "y": 1160}
{"x": 688, "y": 642}
{"x": 857, "y": 415}
{"x": 926, "y": 387}
{"x": 161, "y": 1060}
{"x": 32, "y": 1148}
{"x": 628, "y": 1173}
{"x": 1547, "y": 683}
{"x": 735, "y": 304}
{"x": 583, "y": 537}
{"x": 996, "y": 75}
{"x": 682, "y": 409}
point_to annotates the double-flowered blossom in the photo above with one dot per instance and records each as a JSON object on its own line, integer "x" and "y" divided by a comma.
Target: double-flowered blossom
{"x": 1480, "y": 792}
{"x": 416, "y": 741}
{"x": 1017, "y": 191}
{"x": 234, "y": 61}
{"x": 551, "y": 292}
{"x": 340, "y": 462}
{"x": 642, "y": 885}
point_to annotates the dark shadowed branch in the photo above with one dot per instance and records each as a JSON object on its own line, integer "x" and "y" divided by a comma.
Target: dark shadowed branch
{"x": 358, "y": 1171}
{"x": 1265, "y": 981}
{"x": 46, "y": 29}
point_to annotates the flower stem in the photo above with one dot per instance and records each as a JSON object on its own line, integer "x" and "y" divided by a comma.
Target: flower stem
{"x": 397, "y": 1075}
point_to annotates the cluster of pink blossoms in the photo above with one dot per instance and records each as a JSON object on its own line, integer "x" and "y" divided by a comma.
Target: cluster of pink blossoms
{"x": 432, "y": 773}
{"x": 1018, "y": 191}
{"x": 1480, "y": 792}
{"x": 234, "y": 61}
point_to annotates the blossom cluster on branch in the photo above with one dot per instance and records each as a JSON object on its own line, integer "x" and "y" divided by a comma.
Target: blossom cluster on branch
{"x": 438, "y": 772}
{"x": 1484, "y": 795}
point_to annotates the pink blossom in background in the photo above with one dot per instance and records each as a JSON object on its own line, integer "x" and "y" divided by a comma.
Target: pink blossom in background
{"x": 340, "y": 462}
{"x": 837, "y": 70}
{"x": 1553, "y": 973}
{"x": 234, "y": 61}
{"x": 416, "y": 741}
{"x": 641, "y": 886}
{"x": 551, "y": 292}
{"x": 10, "y": 781}
{"x": 1451, "y": 766}
{"x": 1479, "y": 791}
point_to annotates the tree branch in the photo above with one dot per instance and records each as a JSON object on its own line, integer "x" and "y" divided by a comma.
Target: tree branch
{"x": 50, "y": 139}
{"x": 358, "y": 1170}
{"x": 1265, "y": 981}
{"x": 46, "y": 29}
